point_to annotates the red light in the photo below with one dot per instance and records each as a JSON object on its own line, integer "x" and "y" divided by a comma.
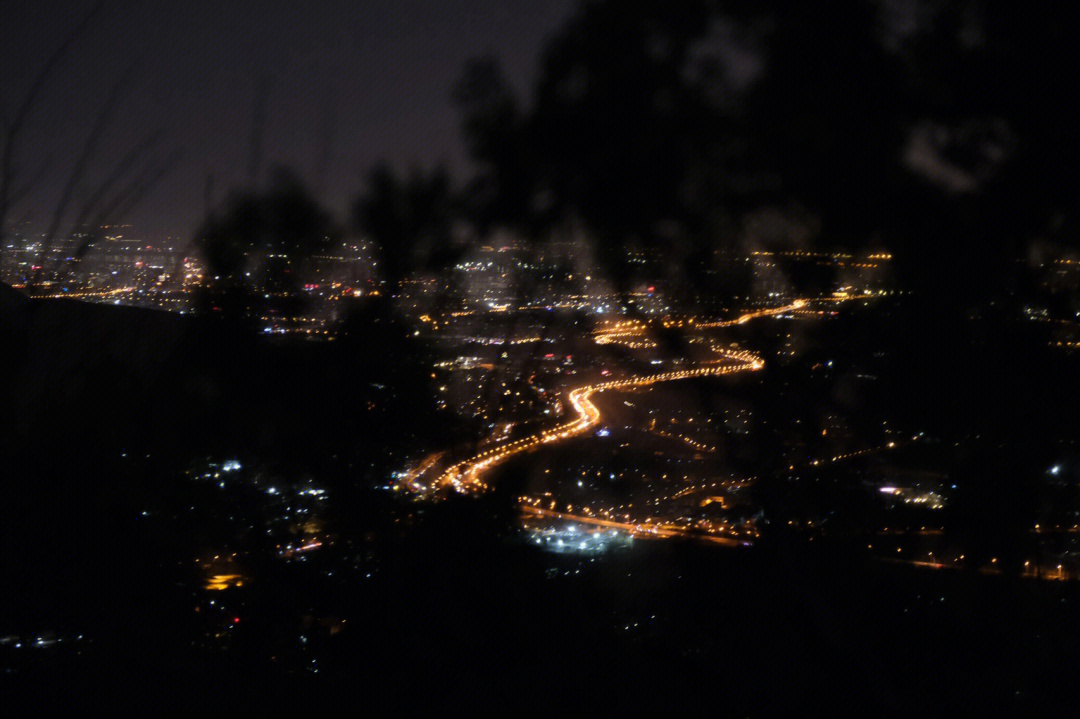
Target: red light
{"x": 236, "y": 620}
{"x": 652, "y": 289}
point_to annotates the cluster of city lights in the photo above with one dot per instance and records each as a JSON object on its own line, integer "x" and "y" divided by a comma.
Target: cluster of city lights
{"x": 467, "y": 475}
{"x": 648, "y": 528}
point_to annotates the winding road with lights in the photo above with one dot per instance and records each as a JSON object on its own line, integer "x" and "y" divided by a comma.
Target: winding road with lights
{"x": 468, "y": 475}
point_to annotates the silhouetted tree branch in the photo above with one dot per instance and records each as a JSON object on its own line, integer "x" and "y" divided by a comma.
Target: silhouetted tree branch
{"x": 13, "y": 126}
{"x": 101, "y": 124}
{"x": 410, "y": 219}
{"x": 262, "y": 238}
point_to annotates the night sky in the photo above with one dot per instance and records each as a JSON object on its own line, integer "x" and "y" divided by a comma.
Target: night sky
{"x": 374, "y": 75}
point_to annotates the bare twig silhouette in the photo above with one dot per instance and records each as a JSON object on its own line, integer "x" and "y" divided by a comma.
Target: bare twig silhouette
{"x": 13, "y": 127}
{"x": 78, "y": 170}
{"x": 259, "y": 103}
{"x": 128, "y": 198}
{"x": 327, "y": 137}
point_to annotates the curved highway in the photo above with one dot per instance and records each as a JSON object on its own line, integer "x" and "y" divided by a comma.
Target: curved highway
{"x": 468, "y": 475}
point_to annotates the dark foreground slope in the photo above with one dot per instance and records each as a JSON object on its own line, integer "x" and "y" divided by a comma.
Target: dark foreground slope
{"x": 89, "y": 388}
